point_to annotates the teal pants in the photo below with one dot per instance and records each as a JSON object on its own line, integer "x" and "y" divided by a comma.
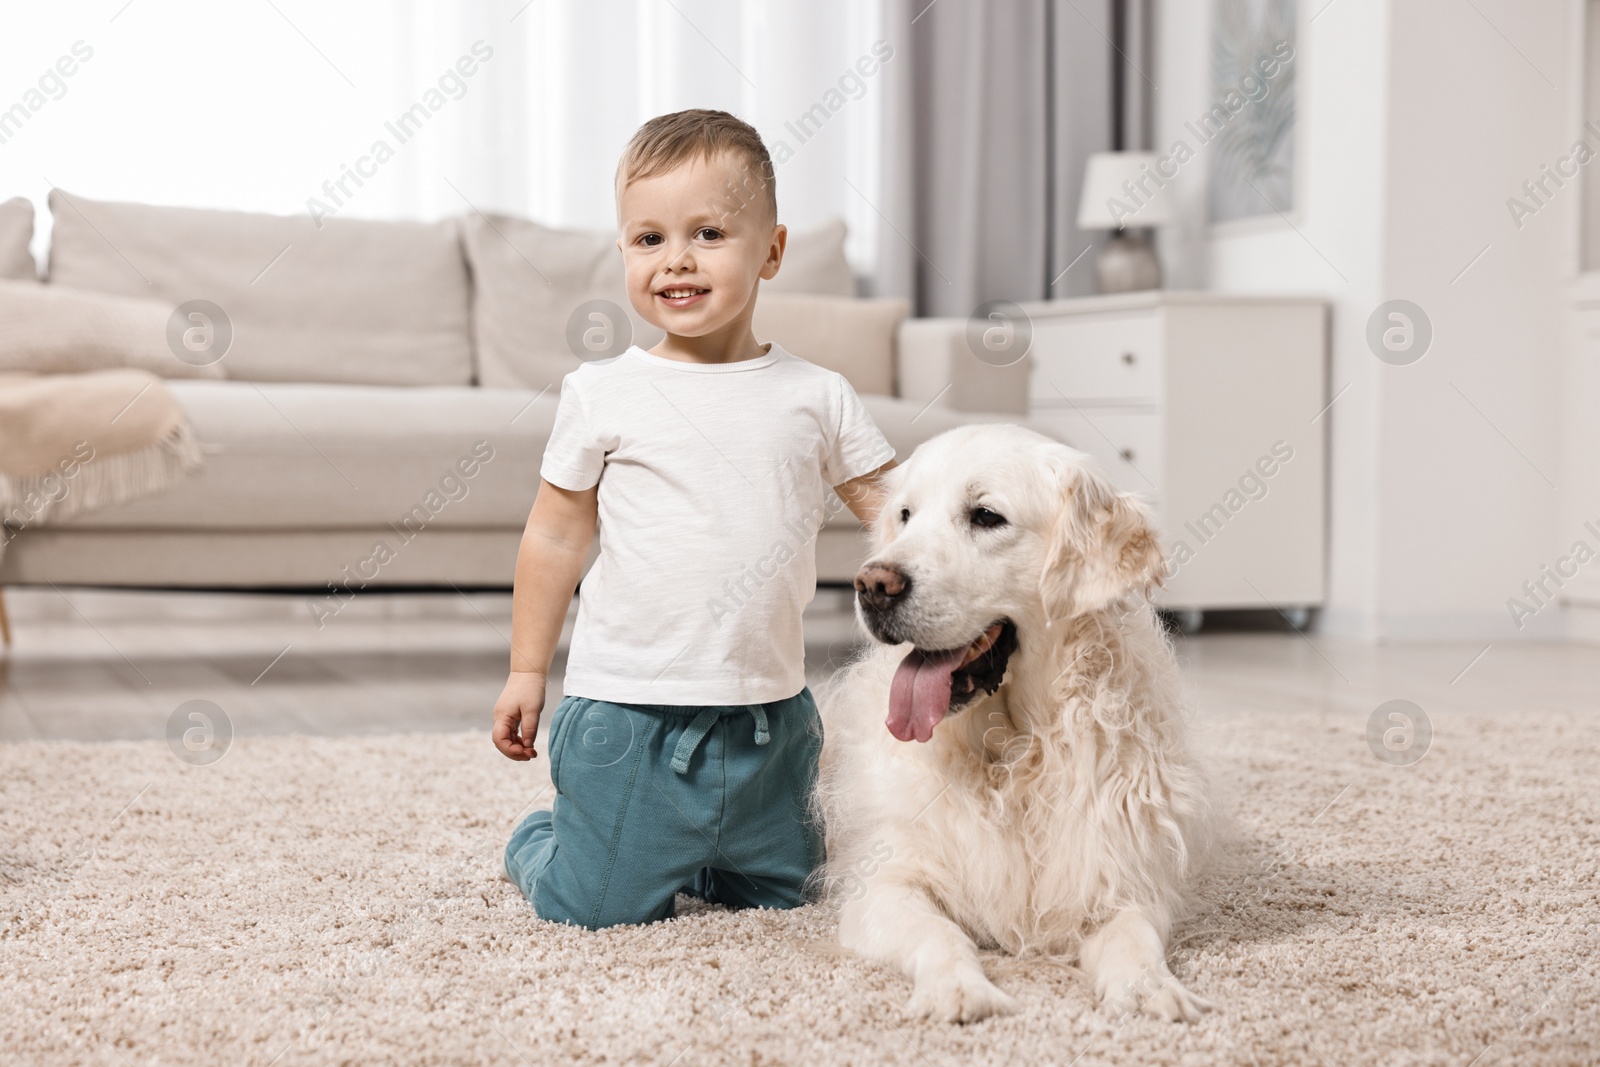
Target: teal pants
{"x": 657, "y": 799}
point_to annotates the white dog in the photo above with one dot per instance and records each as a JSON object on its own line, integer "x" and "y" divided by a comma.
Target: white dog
{"x": 1031, "y": 789}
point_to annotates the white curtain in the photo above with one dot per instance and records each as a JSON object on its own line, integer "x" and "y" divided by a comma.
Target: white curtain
{"x": 266, "y": 105}
{"x": 590, "y": 73}
{"x": 1002, "y": 106}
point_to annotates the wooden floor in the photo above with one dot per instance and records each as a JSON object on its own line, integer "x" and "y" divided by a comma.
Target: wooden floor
{"x": 106, "y": 665}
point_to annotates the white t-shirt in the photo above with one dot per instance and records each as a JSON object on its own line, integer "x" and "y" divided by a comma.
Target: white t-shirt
{"x": 714, "y": 480}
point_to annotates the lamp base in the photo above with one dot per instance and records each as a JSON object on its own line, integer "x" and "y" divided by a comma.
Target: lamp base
{"x": 1126, "y": 264}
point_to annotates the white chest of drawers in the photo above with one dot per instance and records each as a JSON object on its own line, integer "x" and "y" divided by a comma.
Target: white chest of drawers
{"x": 1211, "y": 408}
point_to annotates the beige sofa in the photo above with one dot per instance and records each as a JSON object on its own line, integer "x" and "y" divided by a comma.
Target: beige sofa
{"x": 373, "y": 365}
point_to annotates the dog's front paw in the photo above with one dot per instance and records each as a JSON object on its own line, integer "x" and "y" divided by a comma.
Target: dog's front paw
{"x": 963, "y": 997}
{"x": 1173, "y": 1002}
{"x": 1170, "y": 1001}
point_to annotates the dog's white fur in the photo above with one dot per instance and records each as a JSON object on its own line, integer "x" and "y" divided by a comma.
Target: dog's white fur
{"x": 1061, "y": 814}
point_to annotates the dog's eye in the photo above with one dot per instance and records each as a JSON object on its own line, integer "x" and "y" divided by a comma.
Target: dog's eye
{"x": 905, "y": 514}
{"x": 985, "y": 517}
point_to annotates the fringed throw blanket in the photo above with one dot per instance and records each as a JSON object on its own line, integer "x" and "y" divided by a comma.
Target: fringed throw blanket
{"x": 70, "y": 443}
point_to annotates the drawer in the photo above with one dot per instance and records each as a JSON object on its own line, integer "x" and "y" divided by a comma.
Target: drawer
{"x": 1128, "y": 446}
{"x": 1096, "y": 357}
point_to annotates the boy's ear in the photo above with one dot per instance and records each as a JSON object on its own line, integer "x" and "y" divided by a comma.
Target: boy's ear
{"x": 780, "y": 238}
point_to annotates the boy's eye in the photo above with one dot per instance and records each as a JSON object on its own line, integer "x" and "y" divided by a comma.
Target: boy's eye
{"x": 650, "y": 239}
{"x": 709, "y": 230}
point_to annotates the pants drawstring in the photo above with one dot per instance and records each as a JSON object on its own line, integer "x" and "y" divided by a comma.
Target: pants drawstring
{"x": 702, "y": 725}
{"x": 762, "y": 736}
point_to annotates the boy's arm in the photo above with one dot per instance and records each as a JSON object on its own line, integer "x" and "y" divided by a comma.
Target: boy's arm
{"x": 864, "y": 495}
{"x": 555, "y": 543}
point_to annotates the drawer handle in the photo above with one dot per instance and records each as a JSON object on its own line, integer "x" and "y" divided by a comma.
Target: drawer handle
{"x": 1126, "y": 454}
{"x": 1127, "y": 357}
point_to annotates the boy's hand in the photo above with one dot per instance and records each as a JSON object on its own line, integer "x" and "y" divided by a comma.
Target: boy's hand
{"x": 516, "y": 714}
{"x": 864, "y": 495}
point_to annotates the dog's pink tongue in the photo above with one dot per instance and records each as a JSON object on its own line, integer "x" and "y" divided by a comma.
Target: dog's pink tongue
{"x": 919, "y": 696}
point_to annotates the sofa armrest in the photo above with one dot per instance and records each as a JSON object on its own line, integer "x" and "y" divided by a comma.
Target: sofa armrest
{"x": 934, "y": 364}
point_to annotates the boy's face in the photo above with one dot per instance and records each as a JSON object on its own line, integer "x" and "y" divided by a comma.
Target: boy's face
{"x": 695, "y": 240}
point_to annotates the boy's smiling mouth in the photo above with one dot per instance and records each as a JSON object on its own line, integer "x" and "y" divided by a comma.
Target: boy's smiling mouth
{"x": 680, "y": 296}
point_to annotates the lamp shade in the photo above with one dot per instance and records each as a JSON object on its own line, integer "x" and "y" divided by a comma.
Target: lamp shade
{"x": 1122, "y": 189}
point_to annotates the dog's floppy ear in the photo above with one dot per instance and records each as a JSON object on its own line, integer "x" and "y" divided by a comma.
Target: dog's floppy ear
{"x": 1102, "y": 545}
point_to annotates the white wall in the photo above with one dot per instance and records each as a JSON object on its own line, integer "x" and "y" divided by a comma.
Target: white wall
{"x": 1471, "y": 434}
{"x": 1416, "y": 121}
{"x": 1580, "y": 387}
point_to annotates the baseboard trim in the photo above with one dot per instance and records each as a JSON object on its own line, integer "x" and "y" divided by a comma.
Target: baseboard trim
{"x": 1481, "y": 624}
{"x": 1583, "y": 623}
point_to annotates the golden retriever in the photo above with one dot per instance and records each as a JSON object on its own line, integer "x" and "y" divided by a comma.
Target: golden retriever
{"x": 1006, "y": 767}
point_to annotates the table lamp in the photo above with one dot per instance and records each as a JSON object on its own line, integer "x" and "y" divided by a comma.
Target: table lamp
{"x": 1121, "y": 190}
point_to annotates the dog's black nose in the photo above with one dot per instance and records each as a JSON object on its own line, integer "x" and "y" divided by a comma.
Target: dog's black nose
{"x": 881, "y": 586}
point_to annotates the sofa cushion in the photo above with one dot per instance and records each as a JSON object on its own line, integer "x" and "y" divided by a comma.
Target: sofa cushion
{"x": 814, "y": 262}
{"x": 531, "y": 283}
{"x": 16, "y": 232}
{"x": 51, "y": 329}
{"x": 855, "y": 337}
{"x": 288, "y": 456}
{"x": 354, "y": 301}
{"x": 312, "y": 457}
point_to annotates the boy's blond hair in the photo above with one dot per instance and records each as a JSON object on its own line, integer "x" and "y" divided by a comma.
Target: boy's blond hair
{"x": 669, "y": 141}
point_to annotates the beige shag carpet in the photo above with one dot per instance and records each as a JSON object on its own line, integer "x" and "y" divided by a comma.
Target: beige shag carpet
{"x": 333, "y": 900}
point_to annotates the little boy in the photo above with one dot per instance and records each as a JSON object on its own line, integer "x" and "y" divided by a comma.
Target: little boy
{"x": 686, "y": 744}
